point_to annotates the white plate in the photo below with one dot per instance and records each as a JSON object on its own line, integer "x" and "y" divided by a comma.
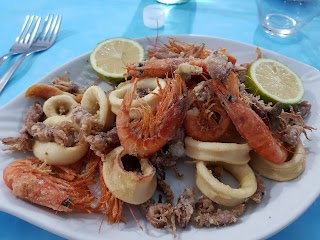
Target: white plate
{"x": 283, "y": 202}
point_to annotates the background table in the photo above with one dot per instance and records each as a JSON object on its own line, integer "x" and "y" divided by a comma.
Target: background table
{"x": 85, "y": 23}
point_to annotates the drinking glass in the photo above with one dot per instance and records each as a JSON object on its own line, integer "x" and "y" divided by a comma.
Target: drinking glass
{"x": 286, "y": 17}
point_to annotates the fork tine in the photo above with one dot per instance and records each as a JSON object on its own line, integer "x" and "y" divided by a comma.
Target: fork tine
{"x": 27, "y": 30}
{"x": 53, "y": 25}
{"x": 26, "y": 21}
{"x": 46, "y": 27}
{"x": 55, "y": 28}
{"x": 34, "y": 30}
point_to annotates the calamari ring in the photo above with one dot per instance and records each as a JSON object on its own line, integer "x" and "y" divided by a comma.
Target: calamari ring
{"x": 222, "y": 193}
{"x": 45, "y": 91}
{"x": 96, "y": 102}
{"x": 281, "y": 172}
{"x": 128, "y": 186}
{"x": 59, "y": 105}
{"x": 56, "y": 154}
{"x": 152, "y": 99}
{"x": 233, "y": 153}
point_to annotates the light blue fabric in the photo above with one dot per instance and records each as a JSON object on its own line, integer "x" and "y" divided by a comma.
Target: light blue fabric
{"x": 85, "y": 23}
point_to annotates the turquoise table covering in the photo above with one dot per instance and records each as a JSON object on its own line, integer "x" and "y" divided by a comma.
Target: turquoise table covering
{"x": 85, "y": 23}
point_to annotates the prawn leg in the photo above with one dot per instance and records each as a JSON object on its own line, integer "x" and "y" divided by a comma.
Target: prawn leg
{"x": 109, "y": 204}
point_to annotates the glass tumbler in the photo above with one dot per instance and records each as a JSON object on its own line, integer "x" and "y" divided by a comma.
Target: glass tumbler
{"x": 286, "y": 17}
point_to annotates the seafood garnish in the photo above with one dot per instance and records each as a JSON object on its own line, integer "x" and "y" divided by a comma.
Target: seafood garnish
{"x": 99, "y": 152}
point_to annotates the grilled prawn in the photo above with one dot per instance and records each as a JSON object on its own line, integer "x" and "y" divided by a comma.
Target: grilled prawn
{"x": 144, "y": 137}
{"x": 250, "y": 126}
{"x": 31, "y": 180}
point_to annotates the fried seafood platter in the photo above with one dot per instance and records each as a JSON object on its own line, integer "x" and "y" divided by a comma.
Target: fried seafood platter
{"x": 179, "y": 150}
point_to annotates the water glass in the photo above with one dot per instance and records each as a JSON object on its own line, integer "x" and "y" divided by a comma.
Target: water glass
{"x": 286, "y": 17}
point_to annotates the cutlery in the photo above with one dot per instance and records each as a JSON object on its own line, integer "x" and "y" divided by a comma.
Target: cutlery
{"x": 44, "y": 41}
{"x": 25, "y": 38}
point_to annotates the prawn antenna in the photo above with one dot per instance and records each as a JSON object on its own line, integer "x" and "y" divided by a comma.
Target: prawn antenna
{"x": 135, "y": 219}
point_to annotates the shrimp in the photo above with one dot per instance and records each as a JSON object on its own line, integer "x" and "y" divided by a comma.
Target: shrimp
{"x": 160, "y": 67}
{"x": 207, "y": 120}
{"x": 178, "y": 48}
{"x": 144, "y": 137}
{"x": 250, "y": 126}
{"x": 32, "y": 180}
{"x": 220, "y": 66}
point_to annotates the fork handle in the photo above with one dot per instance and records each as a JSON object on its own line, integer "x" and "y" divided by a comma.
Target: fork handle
{"x": 6, "y": 77}
{"x": 5, "y": 57}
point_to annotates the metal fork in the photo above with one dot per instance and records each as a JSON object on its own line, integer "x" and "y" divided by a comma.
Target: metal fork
{"x": 44, "y": 41}
{"x": 25, "y": 38}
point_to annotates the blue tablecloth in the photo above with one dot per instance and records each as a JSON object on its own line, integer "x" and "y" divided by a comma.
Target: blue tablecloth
{"x": 85, "y": 23}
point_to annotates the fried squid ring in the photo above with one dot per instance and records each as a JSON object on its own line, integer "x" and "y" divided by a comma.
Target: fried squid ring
{"x": 281, "y": 172}
{"x": 59, "y": 105}
{"x": 96, "y": 102}
{"x": 233, "y": 153}
{"x": 55, "y": 154}
{"x": 128, "y": 186}
{"x": 45, "y": 91}
{"x": 152, "y": 85}
{"x": 222, "y": 193}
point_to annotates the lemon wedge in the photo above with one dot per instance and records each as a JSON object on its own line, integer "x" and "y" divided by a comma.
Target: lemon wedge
{"x": 274, "y": 82}
{"x": 110, "y": 58}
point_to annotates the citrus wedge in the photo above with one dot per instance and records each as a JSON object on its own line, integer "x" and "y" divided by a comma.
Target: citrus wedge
{"x": 274, "y": 82}
{"x": 110, "y": 58}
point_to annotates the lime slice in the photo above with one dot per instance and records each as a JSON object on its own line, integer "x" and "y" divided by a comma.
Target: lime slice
{"x": 110, "y": 58}
{"x": 274, "y": 82}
